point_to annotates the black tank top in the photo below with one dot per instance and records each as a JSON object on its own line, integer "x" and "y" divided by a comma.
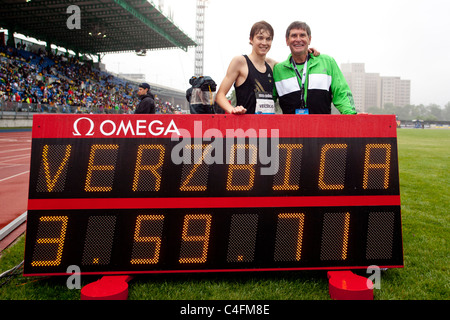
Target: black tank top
{"x": 255, "y": 82}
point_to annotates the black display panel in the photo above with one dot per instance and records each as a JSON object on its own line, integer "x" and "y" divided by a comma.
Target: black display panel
{"x": 125, "y": 168}
{"x": 215, "y": 239}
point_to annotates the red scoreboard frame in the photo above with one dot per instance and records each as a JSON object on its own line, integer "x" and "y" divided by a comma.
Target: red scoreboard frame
{"x": 127, "y": 194}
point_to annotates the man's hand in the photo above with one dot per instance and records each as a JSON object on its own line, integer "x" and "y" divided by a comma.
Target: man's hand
{"x": 314, "y": 52}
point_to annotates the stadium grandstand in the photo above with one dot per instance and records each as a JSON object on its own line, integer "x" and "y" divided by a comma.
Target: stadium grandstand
{"x": 38, "y": 78}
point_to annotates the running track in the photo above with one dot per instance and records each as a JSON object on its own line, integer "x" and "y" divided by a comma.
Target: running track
{"x": 15, "y": 151}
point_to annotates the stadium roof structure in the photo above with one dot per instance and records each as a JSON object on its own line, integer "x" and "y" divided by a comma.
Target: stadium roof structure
{"x": 104, "y": 26}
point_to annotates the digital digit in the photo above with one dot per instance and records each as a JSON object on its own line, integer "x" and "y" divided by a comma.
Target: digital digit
{"x": 289, "y": 238}
{"x": 50, "y": 241}
{"x": 335, "y": 234}
{"x": 288, "y": 179}
{"x": 201, "y": 178}
{"x": 149, "y": 162}
{"x": 99, "y": 240}
{"x": 147, "y": 239}
{"x": 377, "y": 162}
{"x": 58, "y": 157}
{"x": 345, "y": 237}
{"x": 380, "y": 235}
{"x": 241, "y": 177}
{"x": 195, "y": 238}
{"x": 100, "y": 171}
{"x": 332, "y": 172}
{"x": 242, "y": 240}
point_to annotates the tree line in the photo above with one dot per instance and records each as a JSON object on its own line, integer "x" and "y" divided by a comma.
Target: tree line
{"x": 431, "y": 112}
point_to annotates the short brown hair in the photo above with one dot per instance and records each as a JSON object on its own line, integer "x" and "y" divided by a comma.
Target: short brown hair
{"x": 298, "y": 25}
{"x": 261, "y": 26}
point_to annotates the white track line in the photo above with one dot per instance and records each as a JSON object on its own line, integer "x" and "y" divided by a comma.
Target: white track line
{"x": 16, "y": 175}
{"x": 15, "y": 157}
{"x": 12, "y": 150}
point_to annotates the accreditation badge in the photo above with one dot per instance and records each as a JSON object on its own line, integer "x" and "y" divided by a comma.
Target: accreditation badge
{"x": 264, "y": 103}
{"x": 302, "y": 111}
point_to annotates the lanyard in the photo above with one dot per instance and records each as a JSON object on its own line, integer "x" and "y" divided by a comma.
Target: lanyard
{"x": 302, "y": 78}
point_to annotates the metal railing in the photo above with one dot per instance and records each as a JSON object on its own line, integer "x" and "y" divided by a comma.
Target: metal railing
{"x": 24, "y": 111}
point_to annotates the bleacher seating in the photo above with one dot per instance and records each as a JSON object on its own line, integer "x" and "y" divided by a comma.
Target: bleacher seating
{"x": 66, "y": 82}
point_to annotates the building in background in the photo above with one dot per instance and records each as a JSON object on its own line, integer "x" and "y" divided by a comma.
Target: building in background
{"x": 373, "y": 90}
{"x": 355, "y": 75}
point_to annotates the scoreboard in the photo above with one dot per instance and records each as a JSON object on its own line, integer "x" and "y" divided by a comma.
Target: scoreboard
{"x": 128, "y": 194}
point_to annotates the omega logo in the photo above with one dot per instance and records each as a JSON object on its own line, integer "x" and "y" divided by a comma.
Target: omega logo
{"x": 133, "y": 128}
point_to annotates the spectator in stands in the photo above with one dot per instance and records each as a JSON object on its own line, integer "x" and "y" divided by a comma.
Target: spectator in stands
{"x": 147, "y": 104}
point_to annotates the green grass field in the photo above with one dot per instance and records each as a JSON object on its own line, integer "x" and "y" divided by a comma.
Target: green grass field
{"x": 424, "y": 182}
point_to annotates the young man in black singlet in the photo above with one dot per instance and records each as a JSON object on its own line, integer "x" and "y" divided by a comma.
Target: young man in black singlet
{"x": 251, "y": 75}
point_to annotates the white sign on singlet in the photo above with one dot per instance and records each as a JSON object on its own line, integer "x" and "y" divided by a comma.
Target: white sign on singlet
{"x": 264, "y": 103}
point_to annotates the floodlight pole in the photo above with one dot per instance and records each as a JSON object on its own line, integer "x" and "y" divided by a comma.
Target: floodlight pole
{"x": 199, "y": 37}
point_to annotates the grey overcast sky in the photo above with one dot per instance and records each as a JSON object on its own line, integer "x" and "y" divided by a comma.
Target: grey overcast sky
{"x": 404, "y": 38}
